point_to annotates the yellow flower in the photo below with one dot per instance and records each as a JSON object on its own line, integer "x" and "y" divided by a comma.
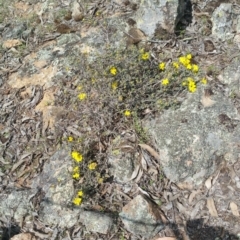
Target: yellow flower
{"x": 70, "y": 138}
{"x": 120, "y": 98}
{"x": 92, "y": 166}
{"x": 76, "y": 169}
{"x": 204, "y": 81}
{"x": 76, "y": 156}
{"x": 189, "y": 79}
{"x": 176, "y": 65}
{"x": 184, "y": 61}
{"x": 162, "y": 66}
{"x": 82, "y": 96}
{"x": 127, "y": 113}
{"x": 113, "y": 70}
{"x": 76, "y": 175}
{"x": 165, "y": 82}
{"x": 192, "y": 86}
{"x": 100, "y": 180}
{"x": 80, "y": 87}
{"x": 184, "y": 83}
{"x": 195, "y": 68}
{"x": 80, "y": 193}
{"x": 189, "y": 56}
{"x": 145, "y": 56}
{"x": 114, "y": 85}
{"x": 77, "y": 201}
{"x": 188, "y": 66}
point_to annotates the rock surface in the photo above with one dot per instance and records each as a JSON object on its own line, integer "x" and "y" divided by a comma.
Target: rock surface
{"x": 154, "y": 14}
{"x": 196, "y": 138}
{"x": 56, "y": 183}
{"x": 16, "y": 205}
{"x": 222, "y": 20}
{"x": 97, "y": 222}
{"x": 142, "y": 217}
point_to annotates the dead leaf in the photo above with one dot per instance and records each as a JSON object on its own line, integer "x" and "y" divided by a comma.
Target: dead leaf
{"x": 23, "y": 236}
{"x": 192, "y": 195}
{"x": 208, "y": 183}
{"x": 211, "y": 207}
{"x": 207, "y": 101}
{"x": 140, "y": 173}
{"x": 152, "y": 171}
{"x": 134, "y": 36}
{"x": 143, "y": 162}
{"x": 185, "y": 185}
{"x": 150, "y": 150}
{"x": 135, "y": 172}
{"x": 234, "y": 209}
{"x": 166, "y": 238}
{"x": 197, "y": 208}
{"x": 11, "y": 43}
{"x": 215, "y": 178}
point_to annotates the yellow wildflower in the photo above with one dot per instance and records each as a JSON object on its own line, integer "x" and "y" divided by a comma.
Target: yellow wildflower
{"x": 114, "y": 85}
{"x": 145, "y": 56}
{"x": 165, "y": 82}
{"x": 127, "y": 113}
{"x": 70, "y": 138}
{"x": 113, "y": 70}
{"x": 176, "y": 65}
{"x": 184, "y": 61}
{"x": 76, "y": 175}
{"x": 80, "y": 193}
{"x": 100, "y": 180}
{"x": 204, "y": 81}
{"x": 184, "y": 83}
{"x": 76, "y": 156}
{"x": 189, "y": 56}
{"x": 189, "y": 66}
{"x": 92, "y": 166}
{"x": 80, "y": 87}
{"x": 192, "y": 86}
{"x": 77, "y": 201}
{"x": 82, "y": 96}
{"x": 195, "y": 68}
{"x": 162, "y": 66}
{"x": 76, "y": 169}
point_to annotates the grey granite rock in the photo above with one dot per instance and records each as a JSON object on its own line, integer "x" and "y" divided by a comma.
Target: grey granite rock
{"x": 97, "y": 222}
{"x": 154, "y": 13}
{"x": 57, "y": 184}
{"x": 142, "y": 217}
{"x": 16, "y": 205}
{"x": 196, "y": 138}
{"x": 222, "y": 20}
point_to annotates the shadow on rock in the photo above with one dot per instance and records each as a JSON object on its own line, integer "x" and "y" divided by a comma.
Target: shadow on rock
{"x": 7, "y": 233}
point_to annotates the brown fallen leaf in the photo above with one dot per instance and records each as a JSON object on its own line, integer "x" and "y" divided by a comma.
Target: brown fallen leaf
{"x": 143, "y": 162}
{"x": 208, "y": 183}
{"x": 234, "y": 209}
{"x": 192, "y": 195}
{"x": 166, "y": 238}
{"x": 135, "y": 172}
{"x": 207, "y": 101}
{"x": 134, "y": 36}
{"x": 11, "y": 43}
{"x": 150, "y": 150}
{"x": 211, "y": 207}
{"x": 23, "y": 236}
